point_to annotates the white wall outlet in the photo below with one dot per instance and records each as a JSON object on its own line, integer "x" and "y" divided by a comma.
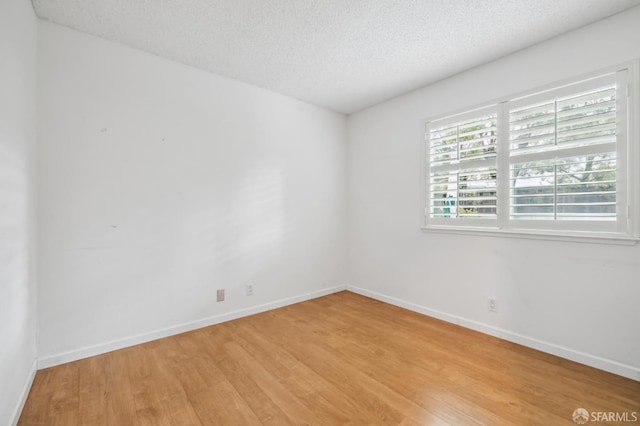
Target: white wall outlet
{"x": 220, "y": 295}
{"x": 493, "y": 304}
{"x": 250, "y": 289}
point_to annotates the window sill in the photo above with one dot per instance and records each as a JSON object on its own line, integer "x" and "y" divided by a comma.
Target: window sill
{"x": 575, "y": 237}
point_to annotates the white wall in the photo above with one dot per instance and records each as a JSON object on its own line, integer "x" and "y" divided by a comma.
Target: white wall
{"x": 580, "y": 300}
{"x": 17, "y": 208}
{"x": 160, "y": 183}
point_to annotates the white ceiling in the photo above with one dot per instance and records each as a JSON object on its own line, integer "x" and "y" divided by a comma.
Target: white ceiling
{"x": 344, "y": 55}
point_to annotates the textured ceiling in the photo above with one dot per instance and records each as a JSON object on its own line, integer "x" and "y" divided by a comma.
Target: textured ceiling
{"x": 344, "y": 55}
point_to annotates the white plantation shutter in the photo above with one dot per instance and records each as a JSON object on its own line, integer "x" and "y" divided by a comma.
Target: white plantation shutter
{"x": 563, "y": 155}
{"x": 576, "y": 188}
{"x": 462, "y": 167}
{"x": 561, "y": 161}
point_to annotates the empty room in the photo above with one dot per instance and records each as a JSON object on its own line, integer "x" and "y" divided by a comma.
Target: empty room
{"x": 278, "y": 212}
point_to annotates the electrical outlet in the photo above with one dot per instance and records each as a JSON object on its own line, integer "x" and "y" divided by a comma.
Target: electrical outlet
{"x": 220, "y": 295}
{"x": 250, "y": 289}
{"x": 493, "y": 304}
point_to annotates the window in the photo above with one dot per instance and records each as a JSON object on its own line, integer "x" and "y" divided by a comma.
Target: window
{"x": 464, "y": 168}
{"x": 553, "y": 162}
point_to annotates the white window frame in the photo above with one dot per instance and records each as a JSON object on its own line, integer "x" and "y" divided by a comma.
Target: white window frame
{"x": 626, "y": 229}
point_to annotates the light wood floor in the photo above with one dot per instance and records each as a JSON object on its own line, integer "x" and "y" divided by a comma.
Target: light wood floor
{"x": 339, "y": 359}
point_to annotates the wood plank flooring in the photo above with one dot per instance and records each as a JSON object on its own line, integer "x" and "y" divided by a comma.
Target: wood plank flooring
{"x": 339, "y": 359}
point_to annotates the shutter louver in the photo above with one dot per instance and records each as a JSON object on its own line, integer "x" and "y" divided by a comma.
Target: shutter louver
{"x": 578, "y": 188}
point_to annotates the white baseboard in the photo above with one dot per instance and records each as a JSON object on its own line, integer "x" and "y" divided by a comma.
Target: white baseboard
{"x": 550, "y": 348}
{"x": 25, "y": 393}
{"x": 74, "y": 355}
